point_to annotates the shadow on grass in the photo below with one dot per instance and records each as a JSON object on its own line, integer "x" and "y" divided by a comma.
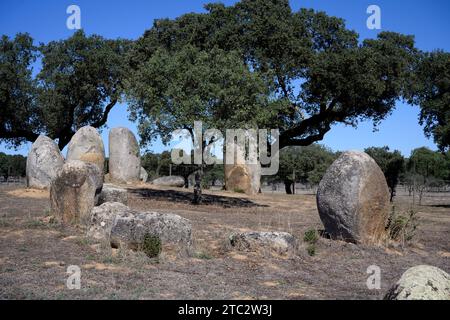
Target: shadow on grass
{"x": 439, "y": 206}
{"x": 186, "y": 197}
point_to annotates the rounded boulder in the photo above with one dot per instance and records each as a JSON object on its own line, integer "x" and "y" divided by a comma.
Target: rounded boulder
{"x": 353, "y": 199}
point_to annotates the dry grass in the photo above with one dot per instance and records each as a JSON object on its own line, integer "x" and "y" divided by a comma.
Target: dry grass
{"x": 35, "y": 254}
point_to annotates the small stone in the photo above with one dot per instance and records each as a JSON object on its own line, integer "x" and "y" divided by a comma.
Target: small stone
{"x": 280, "y": 242}
{"x": 169, "y": 181}
{"x": 112, "y": 193}
{"x": 421, "y": 283}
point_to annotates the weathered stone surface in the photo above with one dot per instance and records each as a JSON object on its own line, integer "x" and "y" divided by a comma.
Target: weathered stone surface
{"x": 43, "y": 162}
{"x": 280, "y": 242}
{"x": 353, "y": 199}
{"x": 112, "y": 193}
{"x": 130, "y": 231}
{"x": 242, "y": 171}
{"x": 124, "y": 156}
{"x": 75, "y": 191}
{"x": 421, "y": 283}
{"x": 242, "y": 177}
{"x": 143, "y": 175}
{"x": 169, "y": 181}
{"x": 122, "y": 226}
{"x": 87, "y": 145}
{"x": 103, "y": 216}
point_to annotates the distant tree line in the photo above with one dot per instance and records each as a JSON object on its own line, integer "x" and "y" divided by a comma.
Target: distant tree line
{"x": 255, "y": 63}
{"x": 423, "y": 170}
{"x": 158, "y": 165}
{"x": 12, "y": 166}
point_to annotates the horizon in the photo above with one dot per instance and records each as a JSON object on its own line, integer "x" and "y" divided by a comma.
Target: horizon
{"x": 45, "y": 22}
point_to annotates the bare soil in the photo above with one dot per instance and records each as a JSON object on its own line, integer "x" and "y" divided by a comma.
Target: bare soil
{"x": 35, "y": 252}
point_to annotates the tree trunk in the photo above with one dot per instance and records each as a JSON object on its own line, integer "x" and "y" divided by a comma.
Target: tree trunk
{"x": 198, "y": 188}
{"x": 288, "y": 186}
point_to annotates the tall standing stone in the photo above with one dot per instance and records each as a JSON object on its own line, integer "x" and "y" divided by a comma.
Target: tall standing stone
{"x": 143, "y": 175}
{"x": 244, "y": 174}
{"x": 353, "y": 199}
{"x": 124, "y": 156}
{"x": 87, "y": 145}
{"x": 75, "y": 191}
{"x": 43, "y": 162}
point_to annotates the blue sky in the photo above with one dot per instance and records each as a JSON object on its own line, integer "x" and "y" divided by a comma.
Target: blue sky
{"x": 45, "y": 20}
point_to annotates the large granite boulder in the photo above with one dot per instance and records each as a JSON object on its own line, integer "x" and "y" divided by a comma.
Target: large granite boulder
{"x": 279, "y": 242}
{"x": 353, "y": 199}
{"x": 130, "y": 231}
{"x": 75, "y": 191}
{"x": 242, "y": 170}
{"x": 169, "y": 181}
{"x": 112, "y": 193}
{"x": 143, "y": 175}
{"x": 103, "y": 216}
{"x": 87, "y": 145}
{"x": 421, "y": 283}
{"x": 124, "y": 227}
{"x": 43, "y": 162}
{"x": 124, "y": 156}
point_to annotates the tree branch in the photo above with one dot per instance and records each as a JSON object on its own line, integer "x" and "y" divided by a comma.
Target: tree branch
{"x": 104, "y": 118}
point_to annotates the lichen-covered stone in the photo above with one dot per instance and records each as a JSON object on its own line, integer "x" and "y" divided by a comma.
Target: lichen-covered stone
{"x": 170, "y": 228}
{"x": 74, "y": 191}
{"x": 125, "y": 227}
{"x": 279, "y": 242}
{"x": 87, "y": 145}
{"x": 43, "y": 162}
{"x": 353, "y": 199}
{"x": 124, "y": 156}
{"x": 112, "y": 193}
{"x": 421, "y": 283}
{"x": 102, "y": 218}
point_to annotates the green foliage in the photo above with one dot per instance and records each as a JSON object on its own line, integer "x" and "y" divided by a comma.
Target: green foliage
{"x": 174, "y": 89}
{"x": 391, "y": 163}
{"x": 311, "y": 237}
{"x": 78, "y": 85}
{"x": 203, "y": 255}
{"x": 431, "y": 90}
{"x": 12, "y": 165}
{"x": 19, "y": 112}
{"x": 309, "y": 164}
{"x": 426, "y": 169}
{"x": 238, "y": 190}
{"x": 402, "y": 227}
{"x": 428, "y": 163}
{"x": 257, "y": 63}
{"x": 151, "y": 245}
{"x": 156, "y": 165}
{"x": 212, "y": 174}
{"x": 80, "y": 82}
{"x": 311, "y": 250}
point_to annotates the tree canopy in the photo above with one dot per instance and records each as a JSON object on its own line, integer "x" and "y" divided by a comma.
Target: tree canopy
{"x": 306, "y": 68}
{"x": 78, "y": 84}
{"x": 12, "y": 165}
{"x": 431, "y": 91}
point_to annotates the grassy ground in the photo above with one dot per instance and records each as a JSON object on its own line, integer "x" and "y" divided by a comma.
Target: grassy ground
{"x": 35, "y": 252}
